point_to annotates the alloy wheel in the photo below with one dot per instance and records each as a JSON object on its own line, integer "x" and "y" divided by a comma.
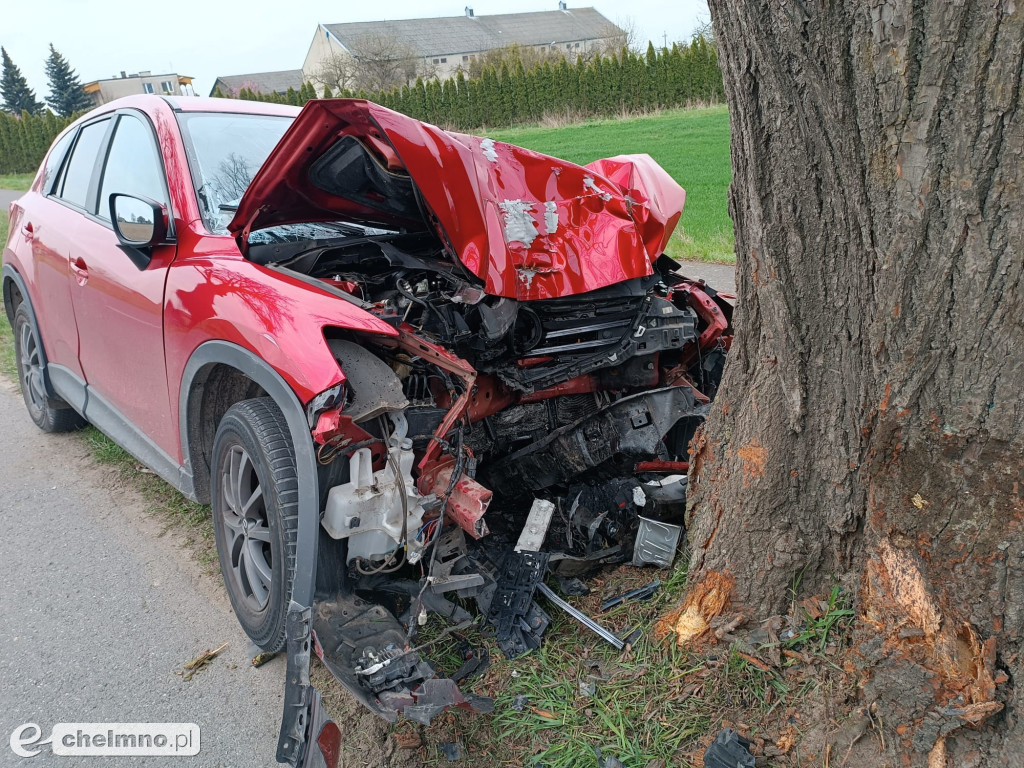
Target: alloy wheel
{"x": 31, "y": 368}
{"x": 244, "y": 517}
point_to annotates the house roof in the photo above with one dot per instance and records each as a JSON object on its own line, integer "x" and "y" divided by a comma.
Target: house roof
{"x": 466, "y": 34}
{"x": 262, "y": 82}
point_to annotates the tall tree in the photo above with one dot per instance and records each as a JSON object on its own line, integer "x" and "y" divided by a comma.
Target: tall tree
{"x": 869, "y": 430}
{"x": 18, "y": 97}
{"x": 66, "y": 93}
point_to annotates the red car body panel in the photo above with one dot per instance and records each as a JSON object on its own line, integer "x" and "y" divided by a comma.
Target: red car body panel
{"x": 216, "y": 294}
{"x": 528, "y": 225}
{"x": 201, "y": 290}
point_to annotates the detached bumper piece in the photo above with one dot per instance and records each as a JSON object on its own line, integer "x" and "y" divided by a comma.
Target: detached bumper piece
{"x": 366, "y": 648}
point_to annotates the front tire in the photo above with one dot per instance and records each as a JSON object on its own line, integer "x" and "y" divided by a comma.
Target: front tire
{"x": 254, "y": 497}
{"x": 29, "y": 356}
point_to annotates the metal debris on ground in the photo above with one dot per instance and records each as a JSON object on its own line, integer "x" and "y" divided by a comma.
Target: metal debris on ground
{"x": 200, "y": 662}
{"x": 640, "y": 593}
{"x": 656, "y": 543}
{"x": 728, "y": 750}
{"x": 581, "y": 617}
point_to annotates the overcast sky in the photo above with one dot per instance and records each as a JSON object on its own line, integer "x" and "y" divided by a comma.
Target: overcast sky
{"x": 206, "y": 38}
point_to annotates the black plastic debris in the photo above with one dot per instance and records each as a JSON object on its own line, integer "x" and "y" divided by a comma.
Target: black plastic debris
{"x": 452, "y": 752}
{"x": 607, "y": 761}
{"x": 641, "y": 593}
{"x": 475, "y": 660}
{"x": 519, "y": 702}
{"x": 572, "y": 587}
{"x": 518, "y": 622}
{"x": 728, "y": 750}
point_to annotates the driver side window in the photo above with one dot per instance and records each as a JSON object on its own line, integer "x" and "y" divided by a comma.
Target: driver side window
{"x": 133, "y": 165}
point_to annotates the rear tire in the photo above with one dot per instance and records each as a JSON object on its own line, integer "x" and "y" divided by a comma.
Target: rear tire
{"x": 254, "y": 496}
{"x": 49, "y": 415}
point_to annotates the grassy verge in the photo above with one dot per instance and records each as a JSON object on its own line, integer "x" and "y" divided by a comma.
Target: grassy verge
{"x": 17, "y": 181}
{"x": 691, "y": 144}
{"x": 173, "y": 509}
{"x": 8, "y": 366}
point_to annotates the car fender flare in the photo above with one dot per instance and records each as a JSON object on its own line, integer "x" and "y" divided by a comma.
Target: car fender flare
{"x": 226, "y": 353}
{"x": 298, "y": 692}
{"x": 12, "y": 276}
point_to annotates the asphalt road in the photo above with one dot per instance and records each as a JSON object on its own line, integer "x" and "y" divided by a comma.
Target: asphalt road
{"x": 7, "y": 196}
{"x": 99, "y": 606}
{"x": 721, "y": 277}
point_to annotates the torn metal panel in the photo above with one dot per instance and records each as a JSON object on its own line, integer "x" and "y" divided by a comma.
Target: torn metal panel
{"x": 311, "y": 176}
{"x": 656, "y": 543}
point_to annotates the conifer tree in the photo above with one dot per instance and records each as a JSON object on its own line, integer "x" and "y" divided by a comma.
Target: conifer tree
{"x": 14, "y": 88}
{"x": 66, "y": 93}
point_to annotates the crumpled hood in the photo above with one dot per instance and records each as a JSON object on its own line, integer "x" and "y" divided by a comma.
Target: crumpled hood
{"x": 527, "y": 225}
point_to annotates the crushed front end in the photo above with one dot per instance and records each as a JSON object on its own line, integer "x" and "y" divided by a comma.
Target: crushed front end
{"x": 531, "y": 415}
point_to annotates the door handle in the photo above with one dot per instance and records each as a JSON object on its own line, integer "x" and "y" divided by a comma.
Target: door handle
{"x": 27, "y": 230}
{"x": 80, "y": 269}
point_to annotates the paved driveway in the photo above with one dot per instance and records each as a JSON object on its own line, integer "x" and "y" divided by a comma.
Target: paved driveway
{"x": 99, "y": 606}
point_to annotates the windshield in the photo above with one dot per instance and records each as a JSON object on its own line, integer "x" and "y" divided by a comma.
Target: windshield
{"x": 225, "y": 151}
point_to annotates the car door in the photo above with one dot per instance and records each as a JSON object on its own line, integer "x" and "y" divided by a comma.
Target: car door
{"x": 117, "y": 293}
{"x": 49, "y": 224}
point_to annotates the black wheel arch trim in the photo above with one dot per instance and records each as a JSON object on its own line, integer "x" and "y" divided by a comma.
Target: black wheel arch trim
{"x": 299, "y": 694}
{"x": 11, "y": 276}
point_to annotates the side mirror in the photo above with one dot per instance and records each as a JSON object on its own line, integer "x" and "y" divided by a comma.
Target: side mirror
{"x": 138, "y": 221}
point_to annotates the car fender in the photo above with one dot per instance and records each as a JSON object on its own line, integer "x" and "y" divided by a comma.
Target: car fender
{"x": 11, "y": 277}
{"x": 299, "y": 618}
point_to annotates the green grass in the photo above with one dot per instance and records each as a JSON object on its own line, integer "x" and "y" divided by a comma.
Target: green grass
{"x": 17, "y": 181}
{"x": 8, "y": 366}
{"x": 691, "y": 144}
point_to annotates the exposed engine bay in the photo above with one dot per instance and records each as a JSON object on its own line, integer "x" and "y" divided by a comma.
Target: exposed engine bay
{"x": 528, "y": 412}
{"x": 446, "y": 438}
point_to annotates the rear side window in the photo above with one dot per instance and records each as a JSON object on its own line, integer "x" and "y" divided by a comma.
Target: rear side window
{"x": 133, "y": 165}
{"x": 83, "y": 159}
{"x": 54, "y": 160}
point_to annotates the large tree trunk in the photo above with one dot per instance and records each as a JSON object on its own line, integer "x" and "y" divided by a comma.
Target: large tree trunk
{"x": 870, "y": 426}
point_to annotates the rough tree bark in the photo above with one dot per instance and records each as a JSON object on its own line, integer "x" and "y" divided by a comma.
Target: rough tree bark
{"x": 870, "y": 427}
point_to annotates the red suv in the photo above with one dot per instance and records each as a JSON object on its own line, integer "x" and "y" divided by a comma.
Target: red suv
{"x": 398, "y": 363}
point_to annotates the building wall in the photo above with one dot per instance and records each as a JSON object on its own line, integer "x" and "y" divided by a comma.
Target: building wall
{"x": 447, "y": 65}
{"x": 129, "y": 86}
{"x": 322, "y": 48}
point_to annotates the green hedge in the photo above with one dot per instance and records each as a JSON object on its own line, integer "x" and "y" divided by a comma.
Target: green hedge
{"x": 508, "y": 96}
{"x": 25, "y": 138}
{"x": 602, "y": 87}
